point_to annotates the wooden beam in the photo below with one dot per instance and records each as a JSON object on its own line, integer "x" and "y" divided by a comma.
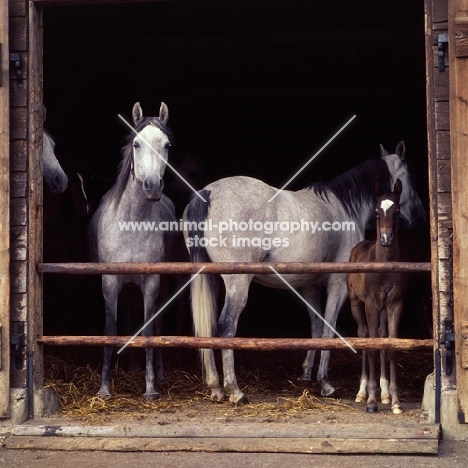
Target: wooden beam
{"x": 253, "y": 344}
{"x": 35, "y": 202}
{"x": 458, "y": 12}
{"x": 267, "y": 445}
{"x": 229, "y": 268}
{"x": 4, "y": 213}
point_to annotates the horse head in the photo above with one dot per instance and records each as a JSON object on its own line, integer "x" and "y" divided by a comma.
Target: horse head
{"x": 412, "y": 209}
{"x": 150, "y": 150}
{"x": 387, "y": 212}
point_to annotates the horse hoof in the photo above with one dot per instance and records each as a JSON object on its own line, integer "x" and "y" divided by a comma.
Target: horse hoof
{"x": 217, "y": 396}
{"x": 103, "y": 395}
{"x": 386, "y": 400}
{"x": 371, "y": 409}
{"x": 360, "y": 399}
{"x": 333, "y": 395}
{"x": 396, "y": 409}
{"x": 305, "y": 378}
{"x": 151, "y": 396}
{"x": 242, "y": 401}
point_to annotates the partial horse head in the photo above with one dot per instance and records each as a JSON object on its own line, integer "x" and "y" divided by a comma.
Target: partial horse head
{"x": 412, "y": 209}
{"x": 150, "y": 150}
{"x": 387, "y": 212}
{"x": 54, "y": 176}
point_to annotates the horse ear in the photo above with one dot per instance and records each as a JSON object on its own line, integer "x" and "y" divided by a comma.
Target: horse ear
{"x": 383, "y": 151}
{"x": 163, "y": 113}
{"x": 400, "y": 150}
{"x": 377, "y": 189}
{"x": 398, "y": 187}
{"x": 137, "y": 113}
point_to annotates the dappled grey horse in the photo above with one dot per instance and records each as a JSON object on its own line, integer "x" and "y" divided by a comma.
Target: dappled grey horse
{"x": 137, "y": 195}
{"x": 243, "y": 212}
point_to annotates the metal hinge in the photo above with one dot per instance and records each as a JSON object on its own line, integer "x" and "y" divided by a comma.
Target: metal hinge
{"x": 442, "y": 48}
{"x": 449, "y": 341}
{"x": 15, "y": 60}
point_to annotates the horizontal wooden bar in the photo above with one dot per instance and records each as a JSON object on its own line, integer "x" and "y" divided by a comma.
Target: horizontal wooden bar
{"x": 254, "y": 344}
{"x": 121, "y": 268}
{"x": 309, "y": 445}
{"x": 225, "y": 430}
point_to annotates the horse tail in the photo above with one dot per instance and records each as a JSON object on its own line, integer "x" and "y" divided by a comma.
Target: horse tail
{"x": 203, "y": 289}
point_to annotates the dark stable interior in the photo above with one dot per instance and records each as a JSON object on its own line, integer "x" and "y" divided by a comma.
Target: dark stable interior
{"x": 253, "y": 88}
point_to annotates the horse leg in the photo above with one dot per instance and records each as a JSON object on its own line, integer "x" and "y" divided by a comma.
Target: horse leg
{"x": 336, "y": 297}
{"x": 312, "y": 295}
{"x": 150, "y": 295}
{"x": 111, "y": 287}
{"x": 373, "y": 318}
{"x": 359, "y": 315}
{"x": 237, "y": 290}
{"x": 393, "y": 322}
{"x": 384, "y": 388}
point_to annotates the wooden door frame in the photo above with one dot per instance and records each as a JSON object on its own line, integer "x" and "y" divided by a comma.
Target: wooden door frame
{"x": 4, "y": 214}
{"x": 458, "y": 62}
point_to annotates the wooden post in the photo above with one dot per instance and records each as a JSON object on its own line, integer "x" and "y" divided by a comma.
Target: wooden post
{"x": 35, "y": 358}
{"x": 4, "y": 214}
{"x": 458, "y": 56}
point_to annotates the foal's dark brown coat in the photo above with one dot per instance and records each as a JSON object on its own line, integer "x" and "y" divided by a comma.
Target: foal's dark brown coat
{"x": 377, "y": 299}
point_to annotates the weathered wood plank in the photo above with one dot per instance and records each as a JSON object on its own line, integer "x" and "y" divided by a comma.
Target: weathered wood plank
{"x": 439, "y": 10}
{"x": 19, "y": 304}
{"x": 458, "y": 12}
{"x": 18, "y": 277}
{"x": 19, "y": 184}
{"x": 18, "y": 121}
{"x": 254, "y": 344}
{"x": 17, "y": 7}
{"x": 274, "y": 445}
{"x": 18, "y": 34}
{"x": 442, "y": 120}
{"x": 443, "y": 175}
{"x": 18, "y": 159}
{"x": 35, "y": 191}
{"x": 444, "y": 205}
{"x": 19, "y": 242}
{"x": 442, "y": 140}
{"x": 227, "y": 267}
{"x": 18, "y": 212}
{"x": 240, "y": 430}
{"x": 4, "y": 213}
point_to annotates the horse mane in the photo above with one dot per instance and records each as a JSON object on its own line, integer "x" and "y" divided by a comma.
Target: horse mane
{"x": 115, "y": 193}
{"x": 357, "y": 186}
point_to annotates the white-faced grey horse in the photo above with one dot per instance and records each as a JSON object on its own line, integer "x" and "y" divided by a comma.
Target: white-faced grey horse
{"x": 251, "y": 222}
{"x": 54, "y": 175}
{"x": 135, "y": 197}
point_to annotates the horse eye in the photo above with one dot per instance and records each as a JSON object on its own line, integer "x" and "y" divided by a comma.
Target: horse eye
{"x": 136, "y": 144}
{"x": 167, "y": 146}
{"x": 377, "y": 214}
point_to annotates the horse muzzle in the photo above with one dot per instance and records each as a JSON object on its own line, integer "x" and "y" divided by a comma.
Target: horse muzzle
{"x": 153, "y": 189}
{"x": 386, "y": 238}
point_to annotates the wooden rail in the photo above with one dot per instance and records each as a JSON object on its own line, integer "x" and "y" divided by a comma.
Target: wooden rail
{"x": 230, "y": 268}
{"x": 253, "y": 344}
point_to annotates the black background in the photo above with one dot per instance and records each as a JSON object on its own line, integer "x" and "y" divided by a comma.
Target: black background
{"x": 253, "y": 88}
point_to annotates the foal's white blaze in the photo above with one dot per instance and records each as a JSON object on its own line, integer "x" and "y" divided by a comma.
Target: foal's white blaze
{"x": 385, "y": 205}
